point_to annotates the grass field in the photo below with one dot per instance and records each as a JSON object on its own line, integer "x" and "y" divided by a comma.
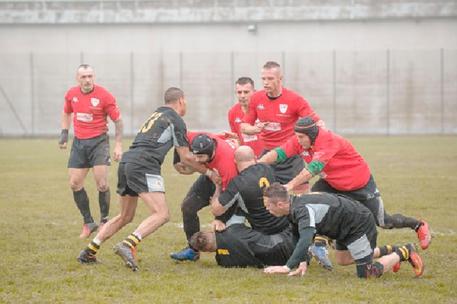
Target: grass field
{"x": 40, "y": 225}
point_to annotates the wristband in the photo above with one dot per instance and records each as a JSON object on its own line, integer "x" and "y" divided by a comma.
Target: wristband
{"x": 63, "y": 136}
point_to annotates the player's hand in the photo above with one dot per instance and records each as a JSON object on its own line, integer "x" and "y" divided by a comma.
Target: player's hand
{"x": 301, "y": 270}
{"x": 232, "y": 135}
{"x": 117, "y": 153}
{"x": 259, "y": 126}
{"x": 218, "y": 225}
{"x": 63, "y": 139}
{"x": 215, "y": 177}
{"x": 288, "y": 187}
{"x": 276, "y": 269}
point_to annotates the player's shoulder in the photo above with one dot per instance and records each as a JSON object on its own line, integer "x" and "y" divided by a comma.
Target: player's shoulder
{"x": 258, "y": 96}
{"x": 73, "y": 91}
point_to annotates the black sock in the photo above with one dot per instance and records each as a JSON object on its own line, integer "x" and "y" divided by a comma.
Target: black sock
{"x": 104, "y": 202}
{"x": 387, "y": 249}
{"x": 82, "y": 202}
{"x": 403, "y": 252}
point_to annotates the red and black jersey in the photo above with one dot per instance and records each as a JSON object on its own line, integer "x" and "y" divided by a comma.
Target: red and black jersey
{"x": 90, "y": 111}
{"x": 344, "y": 168}
{"x": 281, "y": 114}
{"x": 235, "y": 118}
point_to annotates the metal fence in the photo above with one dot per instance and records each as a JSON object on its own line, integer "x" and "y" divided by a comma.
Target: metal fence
{"x": 355, "y": 92}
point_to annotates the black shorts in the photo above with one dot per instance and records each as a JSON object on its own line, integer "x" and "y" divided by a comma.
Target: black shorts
{"x": 286, "y": 170}
{"x": 362, "y": 240}
{"x": 133, "y": 179}
{"x": 87, "y": 153}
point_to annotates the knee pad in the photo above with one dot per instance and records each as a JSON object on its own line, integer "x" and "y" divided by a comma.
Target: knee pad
{"x": 366, "y": 271}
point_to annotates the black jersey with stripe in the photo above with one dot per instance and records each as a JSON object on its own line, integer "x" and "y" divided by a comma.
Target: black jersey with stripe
{"x": 160, "y": 132}
{"x": 332, "y": 215}
{"x": 245, "y": 191}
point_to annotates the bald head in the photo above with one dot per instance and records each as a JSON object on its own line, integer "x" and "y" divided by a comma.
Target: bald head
{"x": 244, "y": 157}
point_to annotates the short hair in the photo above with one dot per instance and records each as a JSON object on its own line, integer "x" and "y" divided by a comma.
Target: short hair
{"x": 276, "y": 192}
{"x": 199, "y": 240}
{"x": 172, "y": 94}
{"x": 84, "y": 66}
{"x": 271, "y": 65}
{"x": 245, "y": 80}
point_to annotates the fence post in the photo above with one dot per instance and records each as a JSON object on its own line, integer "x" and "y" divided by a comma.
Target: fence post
{"x": 334, "y": 89}
{"x": 388, "y": 92}
{"x": 32, "y": 91}
{"x": 132, "y": 103}
{"x": 442, "y": 88}
{"x": 180, "y": 70}
{"x": 232, "y": 70}
{"x": 283, "y": 64}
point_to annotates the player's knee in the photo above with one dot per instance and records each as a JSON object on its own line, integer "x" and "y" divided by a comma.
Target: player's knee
{"x": 370, "y": 270}
{"x": 75, "y": 185}
{"x": 127, "y": 218}
{"x": 164, "y": 217}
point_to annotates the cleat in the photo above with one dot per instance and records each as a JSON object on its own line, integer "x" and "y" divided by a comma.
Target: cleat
{"x": 320, "y": 253}
{"x": 424, "y": 235}
{"x": 396, "y": 267}
{"x": 86, "y": 257}
{"x": 88, "y": 229}
{"x": 127, "y": 254}
{"x": 415, "y": 260}
{"x": 187, "y": 254}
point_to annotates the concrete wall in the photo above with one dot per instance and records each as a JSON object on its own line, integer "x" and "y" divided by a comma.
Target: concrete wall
{"x": 389, "y": 75}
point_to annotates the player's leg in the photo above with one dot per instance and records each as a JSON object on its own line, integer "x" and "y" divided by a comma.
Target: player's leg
{"x": 128, "y": 206}
{"x": 402, "y": 254}
{"x": 99, "y": 159}
{"x": 104, "y": 197}
{"x": 128, "y": 203}
{"x": 153, "y": 195}
{"x": 81, "y": 199}
{"x": 196, "y": 198}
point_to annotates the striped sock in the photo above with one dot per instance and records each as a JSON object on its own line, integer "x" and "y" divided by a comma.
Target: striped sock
{"x": 132, "y": 240}
{"x": 92, "y": 248}
{"x": 387, "y": 249}
{"x": 403, "y": 252}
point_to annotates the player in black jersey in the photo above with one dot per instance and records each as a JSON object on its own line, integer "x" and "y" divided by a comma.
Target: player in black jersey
{"x": 240, "y": 246}
{"x": 348, "y": 222}
{"x": 245, "y": 193}
{"x": 139, "y": 176}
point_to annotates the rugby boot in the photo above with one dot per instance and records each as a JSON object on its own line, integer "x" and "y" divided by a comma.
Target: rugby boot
{"x": 320, "y": 253}
{"x": 85, "y": 257}
{"x": 415, "y": 260}
{"x": 127, "y": 255}
{"x": 424, "y": 235}
{"x": 87, "y": 230}
{"x": 187, "y": 254}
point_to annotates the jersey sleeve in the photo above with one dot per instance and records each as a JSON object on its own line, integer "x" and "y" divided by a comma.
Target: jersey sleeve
{"x": 305, "y": 109}
{"x": 111, "y": 107}
{"x": 180, "y": 133}
{"x": 324, "y": 151}
{"x": 231, "y": 121}
{"x": 230, "y": 196}
{"x": 291, "y": 146}
{"x": 67, "y": 107}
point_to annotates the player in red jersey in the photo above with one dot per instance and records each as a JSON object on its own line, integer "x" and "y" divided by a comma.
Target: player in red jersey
{"x": 342, "y": 170}
{"x": 218, "y": 156}
{"x": 276, "y": 108}
{"x": 244, "y": 88}
{"x": 90, "y": 104}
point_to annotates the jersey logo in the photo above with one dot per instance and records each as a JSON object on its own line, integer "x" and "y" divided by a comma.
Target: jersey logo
{"x": 84, "y": 117}
{"x": 74, "y": 99}
{"x": 223, "y": 252}
{"x": 282, "y": 108}
{"x": 94, "y": 101}
{"x": 237, "y": 120}
{"x": 261, "y": 107}
{"x": 305, "y": 153}
{"x": 264, "y": 182}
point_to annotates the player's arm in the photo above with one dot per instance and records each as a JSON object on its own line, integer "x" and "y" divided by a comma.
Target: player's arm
{"x": 276, "y": 155}
{"x": 119, "y": 128}
{"x": 299, "y": 255}
{"x": 188, "y": 159}
{"x": 216, "y": 207}
{"x": 65, "y": 123}
{"x": 314, "y": 168}
{"x": 251, "y": 129}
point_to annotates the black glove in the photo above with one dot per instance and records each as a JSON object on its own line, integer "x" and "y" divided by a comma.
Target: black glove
{"x": 63, "y": 136}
